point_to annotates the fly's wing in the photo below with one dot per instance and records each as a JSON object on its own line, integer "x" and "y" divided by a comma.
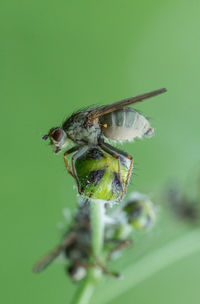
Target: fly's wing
{"x": 47, "y": 259}
{"x": 121, "y": 104}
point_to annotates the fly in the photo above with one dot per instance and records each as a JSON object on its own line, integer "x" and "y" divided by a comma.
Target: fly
{"x": 90, "y": 127}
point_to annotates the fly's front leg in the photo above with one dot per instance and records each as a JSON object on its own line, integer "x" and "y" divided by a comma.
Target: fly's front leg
{"x": 77, "y": 155}
{"x": 72, "y": 150}
{"x": 110, "y": 150}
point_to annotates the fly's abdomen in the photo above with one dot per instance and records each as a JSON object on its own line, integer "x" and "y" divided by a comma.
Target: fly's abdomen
{"x": 125, "y": 124}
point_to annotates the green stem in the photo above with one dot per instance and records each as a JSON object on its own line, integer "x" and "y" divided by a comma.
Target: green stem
{"x": 85, "y": 291}
{"x": 87, "y": 287}
{"x": 97, "y": 226}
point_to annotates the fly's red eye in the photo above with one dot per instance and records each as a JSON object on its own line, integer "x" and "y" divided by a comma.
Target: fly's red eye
{"x": 57, "y": 134}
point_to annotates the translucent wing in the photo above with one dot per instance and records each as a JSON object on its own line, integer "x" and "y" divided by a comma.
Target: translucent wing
{"x": 47, "y": 259}
{"x": 121, "y": 104}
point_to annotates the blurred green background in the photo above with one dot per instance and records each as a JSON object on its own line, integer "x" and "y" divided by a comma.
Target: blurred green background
{"x": 58, "y": 56}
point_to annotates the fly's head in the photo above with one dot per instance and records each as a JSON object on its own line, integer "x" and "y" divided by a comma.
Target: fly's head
{"x": 58, "y": 138}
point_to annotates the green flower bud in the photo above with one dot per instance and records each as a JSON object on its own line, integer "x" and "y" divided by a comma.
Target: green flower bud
{"x": 140, "y": 211}
{"x": 98, "y": 175}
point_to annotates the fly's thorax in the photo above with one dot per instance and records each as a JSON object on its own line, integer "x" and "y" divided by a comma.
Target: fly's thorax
{"x": 125, "y": 124}
{"x": 80, "y": 133}
{"x": 77, "y": 129}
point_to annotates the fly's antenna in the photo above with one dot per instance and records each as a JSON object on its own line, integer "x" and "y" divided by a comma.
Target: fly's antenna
{"x": 45, "y": 137}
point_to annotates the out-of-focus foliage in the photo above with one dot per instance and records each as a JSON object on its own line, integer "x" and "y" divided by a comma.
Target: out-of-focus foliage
{"x": 140, "y": 211}
{"x": 118, "y": 235}
{"x": 57, "y": 57}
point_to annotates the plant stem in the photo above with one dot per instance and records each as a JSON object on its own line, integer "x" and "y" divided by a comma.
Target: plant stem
{"x": 87, "y": 287}
{"x": 97, "y": 226}
{"x": 85, "y": 291}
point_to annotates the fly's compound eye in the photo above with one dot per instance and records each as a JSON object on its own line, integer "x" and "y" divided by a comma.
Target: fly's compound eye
{"x": 57, "y": 134}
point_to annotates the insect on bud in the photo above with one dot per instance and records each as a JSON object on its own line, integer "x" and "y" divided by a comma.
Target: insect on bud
{"x": 98, "y": 175}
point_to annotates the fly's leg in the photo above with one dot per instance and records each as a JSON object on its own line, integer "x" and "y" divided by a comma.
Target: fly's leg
{"x": 110, "y": 150}
{"x": 126, "y": 155}
{"x": 129, "y": 157}
{"x": 77, "y": 155}
{"x": 72, "y": 150}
